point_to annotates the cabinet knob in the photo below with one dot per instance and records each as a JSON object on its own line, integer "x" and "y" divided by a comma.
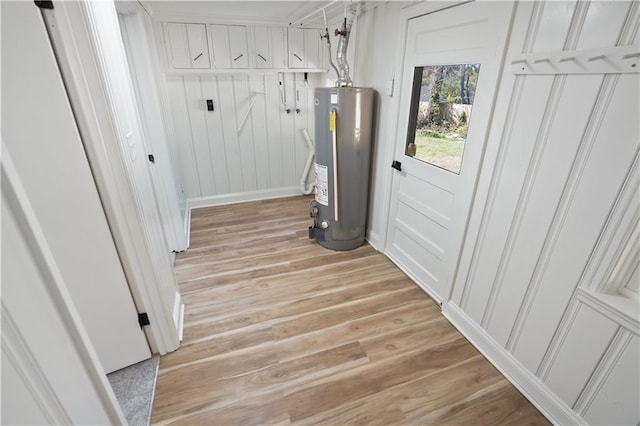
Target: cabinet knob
{"x": 299, "y": 58}
{"x": 196, "y": 58}
{"x": 238, "y": 57}
{"x": 262, "y": 57}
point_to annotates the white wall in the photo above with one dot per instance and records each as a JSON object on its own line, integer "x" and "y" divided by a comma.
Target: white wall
{"x": 268, "y": 153}
{"x": 373, "y": 53}
{"x": 221, "y": 162}
{"x": 560, "y": 156}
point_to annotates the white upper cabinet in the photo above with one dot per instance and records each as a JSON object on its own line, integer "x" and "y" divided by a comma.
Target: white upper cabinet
{"x": 268, "y": 47}
{"x": 305, "y": 48}
{"x": 187, "y": 45}
{"x": 229, "y": 44}
{"x": 224, "y": 47}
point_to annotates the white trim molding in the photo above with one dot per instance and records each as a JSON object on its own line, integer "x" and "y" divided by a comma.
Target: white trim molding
{"x": 526, "y": 382}
{"x": 241, "y": 197}
{"x": 72, "y": 31}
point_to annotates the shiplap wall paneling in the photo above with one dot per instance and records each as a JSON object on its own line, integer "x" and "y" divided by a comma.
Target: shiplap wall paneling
{"x": 257, "y": 129}
{"x": 229, "y": 117}
{"x": 561, "y": 151}
{"x": 246, "y": 142}
{"x": 583, "y": 341}
{"x": 615, "y": 401}
{"x": 249, "y": 142}
{"x": 504, "y": 203}
{"x": 611, "y": 146}
{"x": 276, "y": 143}
{"x": 222, "y": 157}
{"x": 376, "y": 31}
{"x": 558, "y": 122}
{"x": 181, "y": 145}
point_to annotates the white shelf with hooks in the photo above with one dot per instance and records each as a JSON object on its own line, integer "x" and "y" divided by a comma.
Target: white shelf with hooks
{"x": 621, "y": 59}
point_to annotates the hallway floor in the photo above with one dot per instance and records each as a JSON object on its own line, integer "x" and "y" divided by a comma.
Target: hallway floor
{"x": 279, "y": 330}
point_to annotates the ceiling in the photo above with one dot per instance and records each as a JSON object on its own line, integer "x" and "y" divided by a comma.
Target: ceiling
{"x": 280, "y": 12}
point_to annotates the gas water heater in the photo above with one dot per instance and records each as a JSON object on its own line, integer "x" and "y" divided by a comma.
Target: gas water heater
{"x": 344, "y": 117}
{"x": 343, "y": 139}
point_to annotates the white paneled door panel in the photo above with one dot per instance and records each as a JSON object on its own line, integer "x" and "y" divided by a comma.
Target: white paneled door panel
{"x": 219, "y": 37}
{"x": 187, "y": 45}
{"x": 229, "y": 45}
{"x": 262, "y": 57}
{"x": 198, "y": 47}
{"x": 177, "y": 46}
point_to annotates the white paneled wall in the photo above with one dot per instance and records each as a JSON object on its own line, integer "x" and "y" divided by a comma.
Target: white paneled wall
{"x": 249, "y": 142}
{"x": 553, "y": 212}
{"x": 560, "y": 155}
{"x": 372, "y": 55}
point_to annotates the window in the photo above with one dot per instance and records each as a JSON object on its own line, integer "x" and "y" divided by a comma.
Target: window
{"x": 441, "y": 103}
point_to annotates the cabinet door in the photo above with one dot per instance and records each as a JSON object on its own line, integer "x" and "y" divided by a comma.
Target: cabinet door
{"x": 219, "y": 36}
{"x": 296, "y": 48}
{"x": 261, "y": 43}
{"x": 198, "y": 48}
{"x": 177, "y": 46}
{"x": 238, "y": 46}
{"x": 278, "y": 56}
{"x": 312, "y": 49}
{"x": 305, "y": 48}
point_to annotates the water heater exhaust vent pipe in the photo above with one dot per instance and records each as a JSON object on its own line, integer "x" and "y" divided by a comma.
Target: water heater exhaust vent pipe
{"x": 341, "y": 55}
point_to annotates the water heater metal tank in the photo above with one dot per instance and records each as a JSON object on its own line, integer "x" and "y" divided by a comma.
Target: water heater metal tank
{"x": 343, "y": 139}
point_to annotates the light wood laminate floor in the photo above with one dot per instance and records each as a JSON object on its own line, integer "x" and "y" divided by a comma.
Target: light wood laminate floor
{"x": 279, "y": 330}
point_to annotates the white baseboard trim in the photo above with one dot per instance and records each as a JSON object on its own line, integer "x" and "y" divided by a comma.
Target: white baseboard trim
{"x": 187, "y": 225}
{"x": 374, "y": 240}
{"x": 241, "y": 197}
{"x": 181, "y": 323}
{"x": 526, "y": 382}
{"x": 178, "y": 314}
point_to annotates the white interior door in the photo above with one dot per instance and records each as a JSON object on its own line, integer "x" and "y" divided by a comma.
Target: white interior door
{"x": 450, "y": 71}
{"x": 48, "y": 155}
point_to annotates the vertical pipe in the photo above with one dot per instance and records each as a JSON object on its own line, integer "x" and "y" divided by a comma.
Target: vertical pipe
{"x": 334, "y": 131}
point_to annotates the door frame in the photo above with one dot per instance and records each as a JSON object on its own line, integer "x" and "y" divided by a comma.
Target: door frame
{"x": 133, "y": 18}
{"x": 402, "y": 25}
{"x": 391, "y": 180}
{"x": 72, "y": 32}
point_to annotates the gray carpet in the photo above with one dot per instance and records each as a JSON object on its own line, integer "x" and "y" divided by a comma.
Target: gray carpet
{"x": 135, "y": 387}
